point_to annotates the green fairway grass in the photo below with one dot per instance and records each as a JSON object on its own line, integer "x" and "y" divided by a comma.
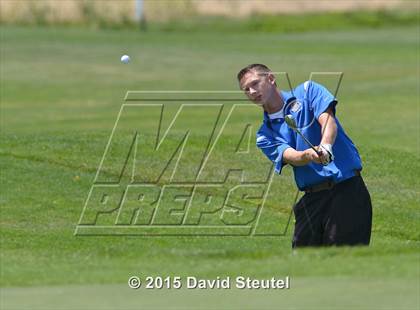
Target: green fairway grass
{"x": 61, "y": 90}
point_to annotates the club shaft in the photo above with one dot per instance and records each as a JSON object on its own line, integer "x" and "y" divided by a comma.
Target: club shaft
{"x": 307, "y": 142}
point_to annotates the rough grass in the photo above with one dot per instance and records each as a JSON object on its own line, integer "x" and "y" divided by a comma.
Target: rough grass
{"x": 177, "y": 17}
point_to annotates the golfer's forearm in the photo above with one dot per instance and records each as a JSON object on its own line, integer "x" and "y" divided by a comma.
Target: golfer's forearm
{"x": 295, "y": 158}
{"x": 328, "y": 128}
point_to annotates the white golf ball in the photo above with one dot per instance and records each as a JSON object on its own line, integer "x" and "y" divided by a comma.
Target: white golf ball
{"x": 125, "y": 59}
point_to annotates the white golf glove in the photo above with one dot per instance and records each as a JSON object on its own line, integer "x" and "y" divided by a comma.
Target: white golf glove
{"x": 327, "y": 153}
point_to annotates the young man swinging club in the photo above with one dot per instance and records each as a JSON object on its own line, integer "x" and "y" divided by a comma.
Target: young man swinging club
{"x": 336, "y": 208}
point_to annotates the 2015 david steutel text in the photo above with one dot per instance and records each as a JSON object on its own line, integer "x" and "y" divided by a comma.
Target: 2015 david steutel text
{"x": 191, "y": 282}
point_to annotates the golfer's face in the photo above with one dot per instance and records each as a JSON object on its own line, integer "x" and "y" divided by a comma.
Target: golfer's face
{"x": 256, "y": 86}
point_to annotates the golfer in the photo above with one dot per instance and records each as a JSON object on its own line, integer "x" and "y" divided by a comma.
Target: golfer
{"x": 336, "y": 208}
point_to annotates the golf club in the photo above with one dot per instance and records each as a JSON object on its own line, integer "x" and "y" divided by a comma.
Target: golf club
{"x": 292, "y": 124}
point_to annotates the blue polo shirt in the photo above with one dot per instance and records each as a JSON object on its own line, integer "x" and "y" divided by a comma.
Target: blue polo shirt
{"x": 306, "y": 103}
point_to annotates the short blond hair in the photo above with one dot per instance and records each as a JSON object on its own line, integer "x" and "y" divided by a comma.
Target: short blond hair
{"x": 259, "y": 68}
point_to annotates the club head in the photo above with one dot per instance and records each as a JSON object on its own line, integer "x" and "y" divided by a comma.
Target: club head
{"x": 290, "y": 121}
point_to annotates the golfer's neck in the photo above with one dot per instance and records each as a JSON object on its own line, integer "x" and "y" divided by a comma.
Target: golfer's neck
{"x": 274, "y": 105}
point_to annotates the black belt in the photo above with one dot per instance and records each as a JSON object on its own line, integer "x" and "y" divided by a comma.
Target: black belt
{"x": 327, "y": 185}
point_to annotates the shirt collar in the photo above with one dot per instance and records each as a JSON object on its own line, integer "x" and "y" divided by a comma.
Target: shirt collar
{"x": 287, "y": 99}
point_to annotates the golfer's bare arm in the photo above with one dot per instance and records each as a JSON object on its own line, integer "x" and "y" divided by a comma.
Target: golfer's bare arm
{"x": 328, "y": 132}
{"x": 300, "y": 158}
{"x": 328, "y": 127}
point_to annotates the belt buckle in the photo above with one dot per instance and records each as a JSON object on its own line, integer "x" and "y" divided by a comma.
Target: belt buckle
{"x": 330, "y": 185}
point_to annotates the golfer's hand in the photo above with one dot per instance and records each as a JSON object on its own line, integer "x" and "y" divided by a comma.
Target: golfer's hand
{"x": 327, "y": 155}
{"x": 311, "y": 156}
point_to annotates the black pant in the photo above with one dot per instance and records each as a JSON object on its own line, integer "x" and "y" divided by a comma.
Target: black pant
{"x": 339, "y": 216}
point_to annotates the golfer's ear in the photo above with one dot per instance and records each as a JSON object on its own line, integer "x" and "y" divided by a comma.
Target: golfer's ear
{"x": 272, "y": 79}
